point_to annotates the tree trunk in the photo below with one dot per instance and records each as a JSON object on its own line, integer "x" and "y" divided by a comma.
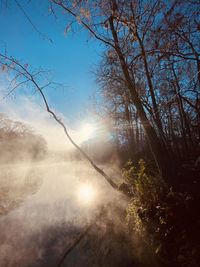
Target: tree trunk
{"x": 184, "y": 122}
{"x": 160, "y": 154}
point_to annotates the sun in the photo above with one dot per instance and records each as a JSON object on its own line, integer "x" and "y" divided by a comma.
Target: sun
{"x": 86, "y": 131}
{"x": 86, "y": 193}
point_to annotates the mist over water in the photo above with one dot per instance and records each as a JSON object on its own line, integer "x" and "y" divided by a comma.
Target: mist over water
{"x": 42, "y": 202}
{"x": 46, "y": 218}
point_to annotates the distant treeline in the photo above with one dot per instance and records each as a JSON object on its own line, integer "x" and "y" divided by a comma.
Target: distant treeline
{"x": 19, "y": 142}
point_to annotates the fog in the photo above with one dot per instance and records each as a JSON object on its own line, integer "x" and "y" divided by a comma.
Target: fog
{"x": 42, "y": 209}
{"x": 32, "y": 112}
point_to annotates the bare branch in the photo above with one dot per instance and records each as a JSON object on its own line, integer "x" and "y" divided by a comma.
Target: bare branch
{"x": 60, "y": 3}
{"x": 59, "y": 121}
{"x": 13, "y": 89}
{"x": 44, "y": 36}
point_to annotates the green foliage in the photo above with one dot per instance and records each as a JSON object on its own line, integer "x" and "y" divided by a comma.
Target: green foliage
{"x": 162, "y": 217}
{"x": 146, "y": 193}
{"x": 146, "y": 187}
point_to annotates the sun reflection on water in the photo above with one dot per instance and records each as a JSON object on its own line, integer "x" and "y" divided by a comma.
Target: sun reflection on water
{"x": 86, "y": 193}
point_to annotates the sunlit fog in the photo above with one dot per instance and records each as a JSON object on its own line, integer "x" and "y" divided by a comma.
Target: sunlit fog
{"x": 99, "y": 133}
{"x": 48, "y": 193}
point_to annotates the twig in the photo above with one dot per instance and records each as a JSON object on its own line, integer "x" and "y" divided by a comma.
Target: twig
{"x": 44, "y": 36}
{"x": 88, "y": 27}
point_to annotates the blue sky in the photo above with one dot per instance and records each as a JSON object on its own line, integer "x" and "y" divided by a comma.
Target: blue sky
{"x": 70, "y": 57}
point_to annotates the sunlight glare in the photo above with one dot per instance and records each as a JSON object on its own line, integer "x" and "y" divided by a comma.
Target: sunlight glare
{"x": 86, "y": 193}
{"x": 86, "y": 131}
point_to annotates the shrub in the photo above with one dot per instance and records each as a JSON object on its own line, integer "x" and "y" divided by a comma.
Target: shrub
{"x": 162, "y": 218}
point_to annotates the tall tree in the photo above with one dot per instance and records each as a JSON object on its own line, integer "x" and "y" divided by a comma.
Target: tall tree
{"x": 114, "y": 24}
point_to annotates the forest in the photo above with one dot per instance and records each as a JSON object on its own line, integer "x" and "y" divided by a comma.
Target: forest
{"x": 148, "y": 100}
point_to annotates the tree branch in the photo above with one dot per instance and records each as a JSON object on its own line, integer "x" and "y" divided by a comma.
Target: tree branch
{"x": 59, "y": 121}
{"x": 60, "y": 3}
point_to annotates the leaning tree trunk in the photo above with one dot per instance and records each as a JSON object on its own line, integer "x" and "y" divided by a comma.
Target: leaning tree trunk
{"x": 160, "y": 154}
